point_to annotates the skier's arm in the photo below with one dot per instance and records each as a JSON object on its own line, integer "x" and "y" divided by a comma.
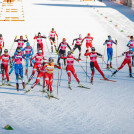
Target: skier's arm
{"x": 74, "y": 41}
{"x": 99, "y": 54}
{"x": 86, "y": 54}
{"x": 35, "y": 37}
{"x": 128, "y": 44}
{"x": 23, "y": 49}
{"x": 63, "y": 57}
{"x": 1, "y": 57}
{"x": 32, "y": 51}
{"x": 57, "y": 66}
{"x": 114, "y": 42}
{"x": 32, "y": 59}
{"x": 105, "y": 42}
{"x": 83, "y": 40}
{"x": 43, "y": 37}
{"x": 68, "y": 46}
{"x": 3, "y": 43}
{"x": 16, "y": 40}
{"x": 56, "y": 35}
{"x": 59, "y": 47}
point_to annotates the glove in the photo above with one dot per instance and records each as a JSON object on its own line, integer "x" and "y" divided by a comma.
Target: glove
{"x": 15, "y": 37}
{"x": 72, "y": 44}
{"x": 26, "y": 36}
{"x": 57, "y": 38}
{"x": 59, "y": 64}
{"x": 57, "y": 52}
{"x": 72, "y": 51}
{"x": 86, "y": 51}
{"x": 78, "y": 60}
{"x": 116, "y": 41}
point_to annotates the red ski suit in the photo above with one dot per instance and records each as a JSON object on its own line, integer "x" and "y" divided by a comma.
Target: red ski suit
{"x": 70, "y": 68}
{"x": 93, "y": 63}
{"x": 1, "y": 43}
{"x": 42, "y": 71}
{"x": 127, "y": 60}
{"x": 49, "y": 74}
{"x": 4, "y": 65}
{"x": 40, "y": 41}
{"x": 38, "y": 59}
{"x": 88, "y": 42}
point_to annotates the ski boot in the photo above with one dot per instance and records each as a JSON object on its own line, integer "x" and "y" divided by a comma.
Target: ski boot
{"x": 17, "y": 86}
{"x": 3, "y": 82}
{"x": 69, "y": 85}
{"x": 29, "y": 90}
{"x": 111, "y": 65}
{"x": 43, "y": 90}
{"x": 23, "y": 84}
{"x": 51, "y": 94}
{"x": 79, "y": 84}
{"x": 31, "y": 65}
{"x": 114, "y": 73}
{"x": 8, "y": 83}
{"x": 92, "y": 80}
{"x": 26, "y": 71}
{"x": 107, "y": 66}
{"x": 105, "y": 78}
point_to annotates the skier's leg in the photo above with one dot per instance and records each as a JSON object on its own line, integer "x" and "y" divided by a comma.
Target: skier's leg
{"x": 44, "y": 80}
{"x": 75, "y": 75}
{"x": 133, "y": 60}
{"x": 6, "y": 72}
{"x": 38, "y": 79}
{"x": 99, "y": 70}
{"x": 87, "y": 45}
{"x": 130, "y": 67}
{"x": 47, "y": 80}
{"x": 2, "y": 71}
{"x": 108, "y": 55}
{"x": 92, "y": 69}
{"x": 51, "y": 82}
{"x": 79, "y": 51}
{"x": 111, "y": 55}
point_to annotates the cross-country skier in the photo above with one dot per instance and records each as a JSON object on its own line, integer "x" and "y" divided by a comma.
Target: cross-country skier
{"x": 94, "y": 64}
{"x": 127, "y": 60}
{"x": 109, "y": 44}
{"x": 1, "y": 44}
{"x": 4, "y": 66}
{"x": 20, "y": 41}
{"x": 52, "y": 36}
{"x": 38, "y": 59}
{"x": 89, "y": 40}
{"x": 41, "y": 73}
{"x": 49, "y": 74}
{"x": 131, "y": 45}
{"x": 40, "y": 42}
{"x": 70, "y": 68}
{"x": 62, "y": 50}
{"x": 29, "y": 54}
{"x": 78, "y": 44}
{"x": 19, "y": 68}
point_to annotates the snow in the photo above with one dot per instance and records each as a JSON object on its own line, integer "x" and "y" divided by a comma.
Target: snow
{"x": 107, "y": 108}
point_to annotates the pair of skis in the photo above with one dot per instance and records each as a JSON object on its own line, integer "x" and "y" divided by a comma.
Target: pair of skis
{"x": 79, "y": 87}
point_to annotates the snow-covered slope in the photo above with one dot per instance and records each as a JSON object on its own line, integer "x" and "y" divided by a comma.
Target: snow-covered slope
{"x": 107, "y": 108}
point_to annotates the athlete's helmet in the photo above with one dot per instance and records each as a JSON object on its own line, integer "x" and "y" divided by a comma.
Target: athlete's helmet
{"x": 51, "y": 59}
{"x": 0, "y": 35}
{"x": 18, "y": 50}
{"x": 39, "y": 34}
{"x": 64, "y": 39}
{"x": 93, "y": 48}
{"x": 40, "y": 51}
{"x": 28, "y": 44}
{"x": 69, "y": 52}
{"x": 131, "y": 37}
{"x": 5, "y": 51}
{"x": 80, "y": 36}
{"x": 88, "y": 34}
{"x": 21, "y": 37}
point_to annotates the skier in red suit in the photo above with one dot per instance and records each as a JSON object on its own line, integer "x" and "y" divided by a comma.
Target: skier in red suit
{"x": 94, "y": 64}
{"x": 127, "y": 60}
{"x": 89, "y": 40}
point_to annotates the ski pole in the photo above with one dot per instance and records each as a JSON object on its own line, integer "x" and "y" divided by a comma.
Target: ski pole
{"x": 61, "y": 74}
{"x": 11, "y": 47}
{"x": 84, "y": 70}
{"x": 103, "y": 56}
{"x": 47, "y": 47}
{"x": 58, "y": 83}
{"x": 116, "y": 57}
